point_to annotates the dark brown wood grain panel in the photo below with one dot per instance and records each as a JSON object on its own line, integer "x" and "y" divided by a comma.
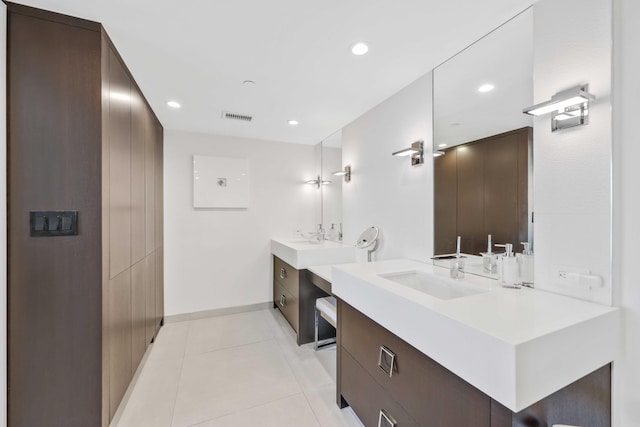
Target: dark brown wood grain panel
{"x": 428, "y": 392}
{"x": 308, "y": 294}
{"x": 501, "y": 190}
{"x": 490, "y": 196}
{"x": 159, "y": 296}
{"x": 150, "y": 297}
{"x": 586, "y": 402}
{"x": 159, "y": 179}
{"x": 54, "y": 284}
{"x": 445, "y": 205}
{"x": 138, "y": 178}
{"x": 120, "y": 369}
{"x": 138, "y": 313}
{"x": 150, "y": 184}
{"x": 287, "y": 303}
{"x": 368, "y": 398}
{"x": 120, "y": 167}
{"x": 45, "y": 15}
{"x": 470, "y": 212}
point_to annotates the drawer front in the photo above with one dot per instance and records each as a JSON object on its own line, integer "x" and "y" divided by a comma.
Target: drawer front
{"x": 368, "y": 399}
{"x": 287, "y": 303}
{"x": 431, "y": 394}
{"x": 286, "y": 275}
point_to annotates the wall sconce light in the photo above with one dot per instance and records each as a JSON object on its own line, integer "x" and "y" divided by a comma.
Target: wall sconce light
{"x": 568, "y": 108}
{"x": 416, "y": 152}
{"x": 315, "y": 182}
{"x": 346, "y": 173}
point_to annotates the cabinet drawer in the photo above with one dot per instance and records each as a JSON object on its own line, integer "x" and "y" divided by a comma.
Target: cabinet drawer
{"x": 431, "y": 394}
{"x": 286, "y": 275}
{"x": 287, "y": 303}
{"x": 367, "y": 398}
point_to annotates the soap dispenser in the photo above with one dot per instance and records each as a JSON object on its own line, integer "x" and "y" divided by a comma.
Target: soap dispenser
{"x": 525, "y": 265}
{"x": 508, "y": 268}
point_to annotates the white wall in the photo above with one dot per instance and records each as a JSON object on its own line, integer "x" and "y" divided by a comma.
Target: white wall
{"x": 626, "y": 218}
{"x": 221, "y": 258}
{"x": 387, "y": 191}
{"x": 3, "y": 215}
{"x": 572, "y": 168}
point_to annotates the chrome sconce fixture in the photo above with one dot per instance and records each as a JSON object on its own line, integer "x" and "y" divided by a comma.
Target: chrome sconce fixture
{"x": 346, "y": 173}
{"x": 317, "y": 182}
{"x": 568, "y": 108}
{"x": 416, "y": 152}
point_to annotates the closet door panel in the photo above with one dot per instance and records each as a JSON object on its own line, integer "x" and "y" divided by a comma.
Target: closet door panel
{"x": 120, "y": 338}
{"x": 119, "y": 167}
{"x": 138, "y": 313}
{"x": 138, "y": 178}
{"x": 150, "y": 293}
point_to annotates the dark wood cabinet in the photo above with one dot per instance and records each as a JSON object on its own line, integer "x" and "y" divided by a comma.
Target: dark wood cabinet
{"x": 295, "y": 293}
{"x": 482, "y": 188}
{"x": 81, "y": 136}
{"x": 378, "y": 371}
{"x": 427, "y": 392}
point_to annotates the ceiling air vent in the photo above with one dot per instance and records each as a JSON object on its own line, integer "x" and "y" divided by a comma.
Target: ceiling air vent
{"x": 227, "y": 115}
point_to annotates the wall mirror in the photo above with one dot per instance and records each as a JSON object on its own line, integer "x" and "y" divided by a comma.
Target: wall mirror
{"x": 483, "y": 176}
{"x": 332, "y": 187}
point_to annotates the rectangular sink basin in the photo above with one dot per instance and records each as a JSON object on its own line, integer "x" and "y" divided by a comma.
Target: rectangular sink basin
{"x": 440, "y": 288}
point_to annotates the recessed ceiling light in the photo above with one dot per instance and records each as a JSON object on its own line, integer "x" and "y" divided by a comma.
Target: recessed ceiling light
{"x": 486, "y": 88}
{"x": 293, "y": 122}
{"x": 249, "y": 83}
{"x": 174, "y": 104}
{"x": 360, "y": 48}
{"x": 442, "y": 145}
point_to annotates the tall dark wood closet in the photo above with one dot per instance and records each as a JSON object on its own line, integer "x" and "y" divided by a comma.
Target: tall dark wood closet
{"x": 81, "y": 137}
{"x": 482, "y": 188}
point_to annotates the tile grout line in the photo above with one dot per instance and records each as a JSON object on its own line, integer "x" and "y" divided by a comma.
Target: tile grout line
{"x": 175, "y": 400}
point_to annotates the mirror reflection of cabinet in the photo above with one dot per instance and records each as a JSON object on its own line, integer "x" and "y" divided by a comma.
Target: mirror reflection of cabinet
{"x": 481, "y": 184}
{"x": 481, "y": 188}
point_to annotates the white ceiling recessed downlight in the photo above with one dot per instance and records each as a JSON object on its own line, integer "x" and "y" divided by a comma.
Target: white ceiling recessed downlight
{"x": 360, "y": 48}
{"x": 486, "y": 88}
{"x": 293, "y": 122}
{"x": 249, "y": 83}
{"x": 174, "y": 104}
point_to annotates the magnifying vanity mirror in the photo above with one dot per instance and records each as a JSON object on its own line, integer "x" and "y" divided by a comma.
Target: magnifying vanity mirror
{"x": 483, "y": 176}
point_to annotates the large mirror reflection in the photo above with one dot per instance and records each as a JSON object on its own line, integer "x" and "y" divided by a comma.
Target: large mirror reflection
{"x": 483, "y": 176}
{"x": 332, "y": 188}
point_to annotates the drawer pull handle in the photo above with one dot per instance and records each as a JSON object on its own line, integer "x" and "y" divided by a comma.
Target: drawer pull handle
{"x": 283, "y": 273}
{"x": 386, "y": 354}
{"x": 386, "y": 420}
{"x": 283, "y": 300}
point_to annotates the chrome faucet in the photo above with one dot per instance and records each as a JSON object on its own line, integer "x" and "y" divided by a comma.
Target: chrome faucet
{"x": 320, "y": 233}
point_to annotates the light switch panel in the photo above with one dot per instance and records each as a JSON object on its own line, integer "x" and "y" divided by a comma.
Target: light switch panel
{"x": 53, "y": 223}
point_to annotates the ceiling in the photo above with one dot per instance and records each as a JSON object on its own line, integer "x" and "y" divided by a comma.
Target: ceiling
{"x": 199, "y": 52}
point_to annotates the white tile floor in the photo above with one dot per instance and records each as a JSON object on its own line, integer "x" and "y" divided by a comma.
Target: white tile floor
{"x": 237, "y": 370}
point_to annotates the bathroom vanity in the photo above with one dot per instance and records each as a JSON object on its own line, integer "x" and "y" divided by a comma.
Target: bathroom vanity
{"x": 415, "y": 348}
{"x": 295, "y": 289}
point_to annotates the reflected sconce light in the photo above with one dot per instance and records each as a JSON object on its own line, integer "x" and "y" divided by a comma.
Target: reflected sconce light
{"x": 438, "y": 153}
{"x": 568, "y": 108}
{"x": 416, "y": 152}
{"x": 346, "y": 173}
{"x": 317, "y": 182}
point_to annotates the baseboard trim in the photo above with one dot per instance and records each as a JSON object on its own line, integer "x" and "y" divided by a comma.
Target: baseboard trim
{"x": 217, "y": 312}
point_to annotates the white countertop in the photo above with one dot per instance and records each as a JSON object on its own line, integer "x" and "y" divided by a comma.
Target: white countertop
{"x": 323, "y": 271}
{"x": 516, "y": 345}
{"x": 301, "y": 253}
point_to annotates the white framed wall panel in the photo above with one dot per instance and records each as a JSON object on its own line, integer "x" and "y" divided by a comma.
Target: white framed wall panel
{"x": 220, "y": 182}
